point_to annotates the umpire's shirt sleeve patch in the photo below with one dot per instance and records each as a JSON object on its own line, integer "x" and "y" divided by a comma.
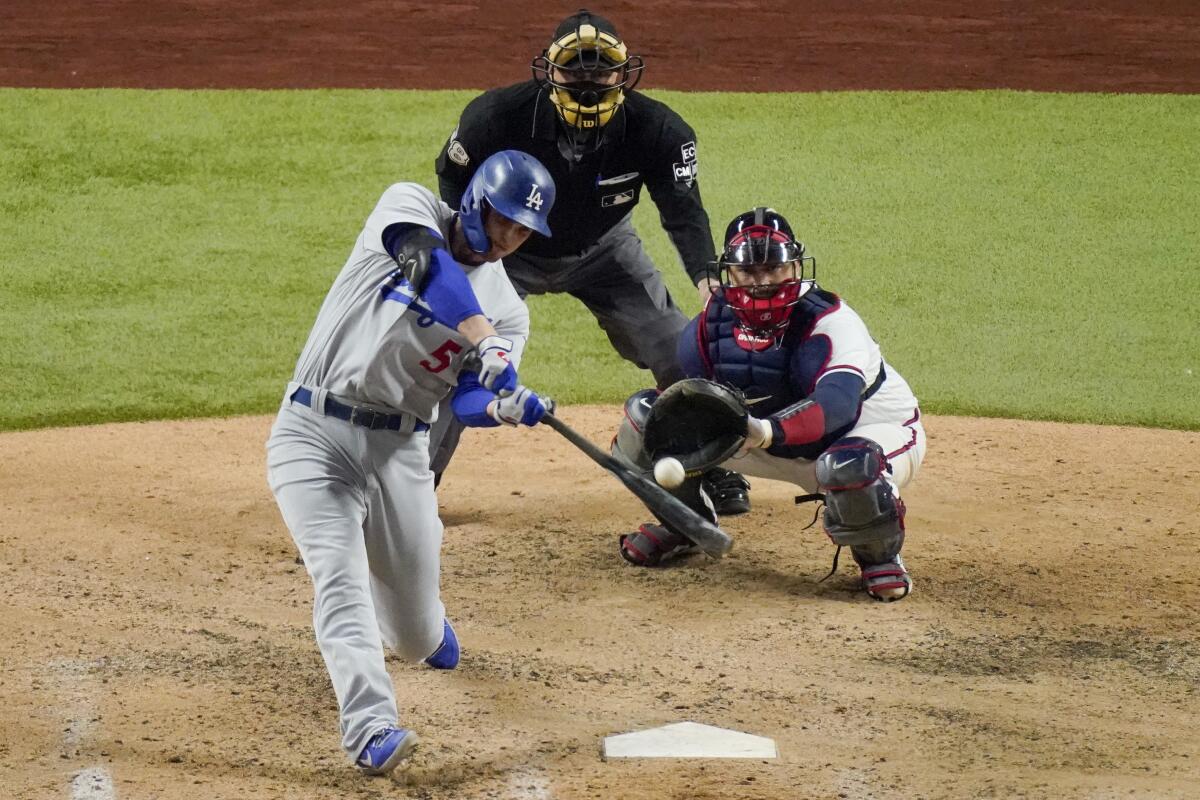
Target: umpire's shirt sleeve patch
{"x": 464, "y": 149}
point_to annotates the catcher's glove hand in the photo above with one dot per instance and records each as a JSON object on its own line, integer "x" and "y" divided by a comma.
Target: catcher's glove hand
{"x": 697, "y": 421}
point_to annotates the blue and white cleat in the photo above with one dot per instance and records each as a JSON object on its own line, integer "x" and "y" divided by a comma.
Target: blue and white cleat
{"x": 386, "y": 749}
{"x": 446, "y": 656}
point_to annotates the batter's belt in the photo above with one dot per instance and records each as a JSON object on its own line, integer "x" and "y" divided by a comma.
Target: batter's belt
{"x": 361, "y": 415}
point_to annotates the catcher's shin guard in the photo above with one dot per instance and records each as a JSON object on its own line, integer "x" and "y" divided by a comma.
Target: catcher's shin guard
{"x": 862, "y": 509}
{"x": 650, "y": 545}
{"x": 729, "y": 491}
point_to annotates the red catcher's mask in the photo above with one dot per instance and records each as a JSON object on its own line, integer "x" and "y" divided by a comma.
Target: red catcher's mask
{"x": 764, "y": 271}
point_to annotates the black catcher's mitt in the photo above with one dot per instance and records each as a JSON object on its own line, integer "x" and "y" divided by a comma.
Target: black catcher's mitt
{"x": 697, "y": 421}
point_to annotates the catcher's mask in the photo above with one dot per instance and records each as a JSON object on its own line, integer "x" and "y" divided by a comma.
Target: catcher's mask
{"x": 512, "y": 183}
{"x": 764, "y": 271}
{"x": 586, "y": 71}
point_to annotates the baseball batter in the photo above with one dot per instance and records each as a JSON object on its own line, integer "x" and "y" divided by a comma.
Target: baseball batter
{"x": 828, "y": 413}
{"x": 421, "y": 309}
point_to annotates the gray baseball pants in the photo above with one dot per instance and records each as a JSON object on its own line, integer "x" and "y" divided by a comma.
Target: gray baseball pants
{"x": 361, "y": 508}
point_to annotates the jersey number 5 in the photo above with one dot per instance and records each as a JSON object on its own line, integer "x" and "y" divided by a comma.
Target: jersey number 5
{"x": 443, "y": 353}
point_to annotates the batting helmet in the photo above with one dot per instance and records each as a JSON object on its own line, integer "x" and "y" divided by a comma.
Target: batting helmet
{"x": 764, "y": 271}
{"x": 586, "y": 70}
{"x": 514, "y": 184}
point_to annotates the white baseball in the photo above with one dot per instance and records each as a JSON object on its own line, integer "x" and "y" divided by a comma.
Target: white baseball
{"x": 668, "y": 472}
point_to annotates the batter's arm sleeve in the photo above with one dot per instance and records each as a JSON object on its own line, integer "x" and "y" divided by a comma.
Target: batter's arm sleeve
{"x": 470, "y": 400}
{"x": 432, "y": 272}
{"x": 467, "y": 146}
{"x": 447, "y": 292}
{"x": 671, "y": 180}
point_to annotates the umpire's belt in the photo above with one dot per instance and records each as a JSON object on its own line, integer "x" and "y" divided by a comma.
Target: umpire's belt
{"x": 361, "y": 415}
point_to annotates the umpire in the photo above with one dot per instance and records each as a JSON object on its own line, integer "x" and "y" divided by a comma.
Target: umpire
{"x": 602, "y": 143}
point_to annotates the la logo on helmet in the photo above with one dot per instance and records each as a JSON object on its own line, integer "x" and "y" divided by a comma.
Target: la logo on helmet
{"x": 534, "y": 200}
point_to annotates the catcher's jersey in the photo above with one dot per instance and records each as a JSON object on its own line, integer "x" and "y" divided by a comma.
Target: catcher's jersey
{"x": 824, "y": 337}
{"x": 375, "y": 343}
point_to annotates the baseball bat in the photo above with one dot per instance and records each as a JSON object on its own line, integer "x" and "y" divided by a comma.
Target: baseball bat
{"x": 669, "y": 509}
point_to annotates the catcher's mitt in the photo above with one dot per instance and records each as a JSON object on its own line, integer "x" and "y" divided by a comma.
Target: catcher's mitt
{"x": 697, "y": 421}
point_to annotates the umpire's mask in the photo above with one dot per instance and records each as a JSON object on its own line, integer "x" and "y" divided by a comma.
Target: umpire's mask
{"x": 586, "y": 71}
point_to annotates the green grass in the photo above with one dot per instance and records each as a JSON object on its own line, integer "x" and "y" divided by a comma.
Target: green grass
{"x": 163, "y": 254}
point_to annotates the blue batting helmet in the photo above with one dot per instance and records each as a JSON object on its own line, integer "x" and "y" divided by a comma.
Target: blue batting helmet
{"x": 513, "y": 183}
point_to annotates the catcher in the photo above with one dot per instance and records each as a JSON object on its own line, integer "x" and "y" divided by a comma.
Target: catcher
{"x": 785, "y": 382}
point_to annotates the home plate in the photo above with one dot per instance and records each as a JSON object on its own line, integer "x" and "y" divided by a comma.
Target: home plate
{"x": 689, "y": 740}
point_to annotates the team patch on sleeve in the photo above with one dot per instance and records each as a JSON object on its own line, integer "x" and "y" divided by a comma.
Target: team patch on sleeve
{"x": 686, "y": 169}
{"x": 456, "y": 152}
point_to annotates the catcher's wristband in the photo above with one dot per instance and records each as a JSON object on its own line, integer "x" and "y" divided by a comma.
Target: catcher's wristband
{"x": 759, "y": 432}
{"x": 799, "y": 423}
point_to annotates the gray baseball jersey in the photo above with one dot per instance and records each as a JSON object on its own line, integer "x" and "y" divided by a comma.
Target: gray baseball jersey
{"x": 358, "y": 497}
{"x": 368, "y": 348}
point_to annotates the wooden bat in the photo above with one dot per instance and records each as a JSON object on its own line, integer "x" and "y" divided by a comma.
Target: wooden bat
{"x": 669, "y": 509}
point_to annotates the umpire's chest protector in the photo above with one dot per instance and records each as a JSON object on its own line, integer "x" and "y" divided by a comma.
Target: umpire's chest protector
{"x": 771, "y": 376}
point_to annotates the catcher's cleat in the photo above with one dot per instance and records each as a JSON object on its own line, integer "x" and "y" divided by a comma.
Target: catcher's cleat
{"x": 888, "y": 581}
{"x": 650, "y": 545}
{"x": 728, "y": 490}
{"x": 385, "y": 750}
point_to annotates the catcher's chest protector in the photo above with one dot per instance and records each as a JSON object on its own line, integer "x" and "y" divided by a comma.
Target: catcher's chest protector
{"x": 759, "y": 373}
{"x": 781, "y": 374}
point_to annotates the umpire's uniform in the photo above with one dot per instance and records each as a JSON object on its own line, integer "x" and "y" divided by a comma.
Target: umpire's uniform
{"x": 602, "y": 143}
{"x": 595, "y": 253}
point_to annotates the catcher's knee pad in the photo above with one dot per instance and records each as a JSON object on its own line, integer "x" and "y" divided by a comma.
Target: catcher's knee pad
{"x": 861, "y": 507}
{"x": 629, "y": 443}
{"x": 629, "y": 447}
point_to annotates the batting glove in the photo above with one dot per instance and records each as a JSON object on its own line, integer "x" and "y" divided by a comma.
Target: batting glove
{"x": 522, "y": 407}
{"x": 495, "y": 372}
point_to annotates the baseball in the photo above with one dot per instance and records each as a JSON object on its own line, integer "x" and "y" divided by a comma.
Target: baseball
{"x": 668, "y": 472}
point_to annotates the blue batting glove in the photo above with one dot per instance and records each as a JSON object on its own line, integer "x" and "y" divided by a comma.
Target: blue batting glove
{"x": 522, "y": 407}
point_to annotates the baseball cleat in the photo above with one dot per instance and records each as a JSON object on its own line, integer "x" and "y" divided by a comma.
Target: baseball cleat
{"x": 651, "y": 545}
{"x": 728, "y": 490}
{"x": 385, "y": 750}
{"x": 888, "y": 581}
{"x": 446, "y": 656}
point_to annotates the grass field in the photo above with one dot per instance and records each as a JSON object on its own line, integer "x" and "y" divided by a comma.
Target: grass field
{"x": 163, "y": 254}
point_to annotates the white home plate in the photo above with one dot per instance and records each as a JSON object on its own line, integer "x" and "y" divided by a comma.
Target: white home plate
{"x": 689, "y": 740}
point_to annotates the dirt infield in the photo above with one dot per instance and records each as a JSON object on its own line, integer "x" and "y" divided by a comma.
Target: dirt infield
{"x": 733, "y": 45}
{"x": 157, "y": 639}
{"x": 158, "y": 627}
